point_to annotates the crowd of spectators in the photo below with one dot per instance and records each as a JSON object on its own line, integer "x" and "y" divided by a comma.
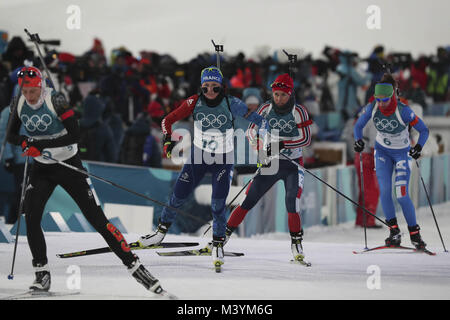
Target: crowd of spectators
{"x": 121, "y": 98}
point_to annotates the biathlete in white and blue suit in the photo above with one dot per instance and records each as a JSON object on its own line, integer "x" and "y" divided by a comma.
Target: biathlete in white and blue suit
{"x": 213, "y": 111}
{"x": 393, "y": 153}
{"x": 289, "y": 128}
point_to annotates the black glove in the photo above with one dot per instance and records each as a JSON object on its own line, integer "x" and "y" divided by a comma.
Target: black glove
{"x": 415, "y": 151}
{"x": 359, "y": 145}
{"x": 270, "y": 146}
{"x": 168, "y": 145}
{"x": 9, "y": 164}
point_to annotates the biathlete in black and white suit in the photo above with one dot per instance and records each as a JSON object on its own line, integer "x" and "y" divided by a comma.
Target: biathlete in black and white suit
{"x": 52, "y": 130}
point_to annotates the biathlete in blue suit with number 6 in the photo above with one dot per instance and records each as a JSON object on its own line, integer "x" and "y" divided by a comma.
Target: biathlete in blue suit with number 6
{"x": 393, "y": 153}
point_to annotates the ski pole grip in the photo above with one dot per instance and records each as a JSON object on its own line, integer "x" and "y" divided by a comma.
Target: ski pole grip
{"x": 217, "y": 47}
{"x": 33, "y": 37}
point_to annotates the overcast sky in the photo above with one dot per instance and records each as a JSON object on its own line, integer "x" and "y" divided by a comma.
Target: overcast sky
{"x": 185, "y": 28}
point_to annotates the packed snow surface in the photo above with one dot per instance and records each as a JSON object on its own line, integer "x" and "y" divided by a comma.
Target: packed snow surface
{"x": 264, "y": 273}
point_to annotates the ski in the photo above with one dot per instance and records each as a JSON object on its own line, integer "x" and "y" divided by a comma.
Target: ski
{"x": 424, "y": 250}
{"x": 300, "y": 259}
{"x": 197, "y": 252}
{"x": 133, "y": 246}
{"x": 32, "y": 294}
{"x": 302, "y": 262}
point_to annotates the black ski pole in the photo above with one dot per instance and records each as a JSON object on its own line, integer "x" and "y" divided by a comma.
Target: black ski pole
{"x": 361, "y": 172}
{"x": 36, "y": 40}
{"x": 19, "y": 215}
{"x": 244, "y": 187}
{"x": 123, "y": 188}
{"x": 335, "y": 190}
{"x": 431, "y": 207}
{"x": 218, "y": 48}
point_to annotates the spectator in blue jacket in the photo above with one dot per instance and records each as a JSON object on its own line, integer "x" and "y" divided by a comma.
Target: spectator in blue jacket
{"x": 96, "y": 137}
{"x": 14, "y": 163}
{"x": 349, "y": 82}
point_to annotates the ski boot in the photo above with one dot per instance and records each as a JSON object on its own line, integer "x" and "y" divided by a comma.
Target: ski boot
{"x": 296, "y": 245}
{"x": 155, "y": 238}
{"x": 43, "y": 279}
{"x": 228, "y": 232}
{"x": 217, "y": 253}
{"x": 416, "y": 239}
{"x": 144, "y": 277}
{"x": 395, "y": 237}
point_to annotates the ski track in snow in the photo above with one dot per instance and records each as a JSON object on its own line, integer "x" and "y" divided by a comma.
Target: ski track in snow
{"x": 264, "y": 273}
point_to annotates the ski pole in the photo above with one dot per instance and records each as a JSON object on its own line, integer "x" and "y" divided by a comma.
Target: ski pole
{"x": 35, "y": 39}
{"x": 19, "y": 215}
{"x": 218, "y": 48}
{"x": 245, "y": 186}
{"x": 257, "y": 172}
{"x": 123, "y": 188}
{"x": 431, "y": 207}
{"x": 361, "y": 172}
{"x": 335, "y": 190}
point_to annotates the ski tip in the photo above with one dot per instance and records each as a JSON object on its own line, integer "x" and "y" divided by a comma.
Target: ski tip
{"x": 428, "y": 252}
{"x": 167, "y": 295}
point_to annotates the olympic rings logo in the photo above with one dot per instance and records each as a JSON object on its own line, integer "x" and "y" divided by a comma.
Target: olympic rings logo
{"x": 211, "y": 120}
{"x": 35, "y": 122}
{"x": 385, "y": 124}
{"x": 282, "y": 125}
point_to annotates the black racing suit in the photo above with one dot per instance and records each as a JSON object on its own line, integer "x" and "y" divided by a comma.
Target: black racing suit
{"x": 44, "y": 178}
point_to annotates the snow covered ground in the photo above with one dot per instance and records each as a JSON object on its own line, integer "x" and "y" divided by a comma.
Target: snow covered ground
{"x": 264, "y": 273}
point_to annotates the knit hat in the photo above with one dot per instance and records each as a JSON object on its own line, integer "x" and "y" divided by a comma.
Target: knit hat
{"x": 211, "y": 74}
{"x": 32, "y": 77}
{"x": 252, "y": 100}
{"x": 283, "y": 83}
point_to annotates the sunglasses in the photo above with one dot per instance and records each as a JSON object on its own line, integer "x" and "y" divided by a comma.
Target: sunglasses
{"x": 382, "y": 99}
{"x": 214, "y": 89}
{"x": 28, "y": 73}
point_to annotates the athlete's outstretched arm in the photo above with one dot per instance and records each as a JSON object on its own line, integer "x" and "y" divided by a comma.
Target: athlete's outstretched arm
{"x": 240, "y": 109}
